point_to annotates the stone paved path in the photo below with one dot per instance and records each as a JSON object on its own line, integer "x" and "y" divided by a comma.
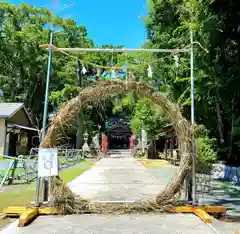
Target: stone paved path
{"x": 117, "y": 178}
{"x": 125, "y": 224}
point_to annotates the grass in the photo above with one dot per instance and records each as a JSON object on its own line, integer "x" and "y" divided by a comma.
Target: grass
{"x": 21, "y": 195}
{"x": 18, "y": 195}
{"x": 69, "y": 174}
{"x": 3, "y": 159}
{"x": 17, "y": 171}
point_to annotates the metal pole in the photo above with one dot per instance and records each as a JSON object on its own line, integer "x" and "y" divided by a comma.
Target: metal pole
{"x": 126, "y": 74}
{"x": 121, "y": 50}
{"x": 111, "y": 66}
{"x": 45, "y": 186}
{"x": 79, "y": 73}
{"x": 47, "y": 87}
{"x": 192, "y": 122}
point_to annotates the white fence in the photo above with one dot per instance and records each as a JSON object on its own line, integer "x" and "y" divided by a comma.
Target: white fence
{"x": 67, "y": 157}
{"x": 23, "y": 169}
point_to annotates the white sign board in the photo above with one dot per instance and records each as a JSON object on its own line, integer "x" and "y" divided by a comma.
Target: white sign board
{"x": 47, "y": 162}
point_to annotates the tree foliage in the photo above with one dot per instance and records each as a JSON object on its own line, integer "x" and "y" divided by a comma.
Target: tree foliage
{"x": 216, "y": 73}
{"x": 146, "y": 116}
{"x": 23, "y": 64}
{"x": 215, "y": 25}
{"x": 205, "y": 147}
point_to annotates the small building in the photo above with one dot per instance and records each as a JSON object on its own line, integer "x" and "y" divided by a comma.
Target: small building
{"x": 16, "y": 129}
{"x": 167, "y": 144}
{"x": 118, "y": 133}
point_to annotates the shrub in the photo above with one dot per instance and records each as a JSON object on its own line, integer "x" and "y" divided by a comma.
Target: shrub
{"x": 205, "y": 147}
{"x": 206, "y": 155}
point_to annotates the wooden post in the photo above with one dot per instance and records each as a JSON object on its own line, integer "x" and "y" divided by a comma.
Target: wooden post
{"x": 5, "y": 137}
{"x": 171, "y": 146}
{"x": 166, "y": 143}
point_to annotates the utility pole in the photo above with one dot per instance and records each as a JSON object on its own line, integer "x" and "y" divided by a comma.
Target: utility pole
{"x": 80, "y": 127}
{"x": 47, "y": 86}
{"x": 79, "y": 73}
{"x": 44, "y": 124}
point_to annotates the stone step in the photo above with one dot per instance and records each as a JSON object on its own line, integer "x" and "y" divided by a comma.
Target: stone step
{"x": 120, "y": 153}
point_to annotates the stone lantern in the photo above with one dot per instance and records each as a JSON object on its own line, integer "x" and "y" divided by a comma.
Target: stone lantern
{"x": 85, "y": 147}
{"x": 85, "y": 137}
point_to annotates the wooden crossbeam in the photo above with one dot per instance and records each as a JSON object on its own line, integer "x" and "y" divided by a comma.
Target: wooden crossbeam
{"x": 27, "y": 215}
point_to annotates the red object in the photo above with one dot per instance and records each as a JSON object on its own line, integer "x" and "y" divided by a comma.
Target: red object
{"x": 104, "y": 143}
{"x": 132, "y": 139}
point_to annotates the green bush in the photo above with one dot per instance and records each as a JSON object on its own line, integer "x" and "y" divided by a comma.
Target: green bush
{"x": 205, "y": 147}
{"x": 206, "y": 155}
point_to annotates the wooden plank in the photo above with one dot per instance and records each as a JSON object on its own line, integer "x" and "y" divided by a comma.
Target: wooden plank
{"x": 184, "y": 209}
{"x": 202, "y": 215}
{"x": 47, "y": 211}
{"x": 14, "y": 211}
{"x": 214, "y": 209}
{"x": 27, "y": 217}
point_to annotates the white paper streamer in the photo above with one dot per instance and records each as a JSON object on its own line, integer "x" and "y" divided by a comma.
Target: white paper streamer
{"x": 176, "y": 58}
{"x": 150, "y": 73}
{"x": 84, "y": 70}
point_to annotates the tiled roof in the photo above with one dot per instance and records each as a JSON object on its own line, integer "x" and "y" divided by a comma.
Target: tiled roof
{"x": 9, "y": 109}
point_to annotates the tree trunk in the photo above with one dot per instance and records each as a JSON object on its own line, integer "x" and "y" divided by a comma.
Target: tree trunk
{"x": 152, "y": 150}
{"x": 232, "y": 124}
{"x": 219, "y": 122}
{"x": 80, "y": 129}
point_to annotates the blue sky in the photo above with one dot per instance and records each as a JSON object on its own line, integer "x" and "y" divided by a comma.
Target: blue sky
{"x": 114, "y": 22}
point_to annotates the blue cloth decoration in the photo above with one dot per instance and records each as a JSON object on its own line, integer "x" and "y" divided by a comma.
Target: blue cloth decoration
{"x": 227, "y": 172}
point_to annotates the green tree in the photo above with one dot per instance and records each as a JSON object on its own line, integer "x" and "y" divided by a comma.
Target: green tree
{"x": 216, "y": 72}
{"x": 146, "y": 116}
